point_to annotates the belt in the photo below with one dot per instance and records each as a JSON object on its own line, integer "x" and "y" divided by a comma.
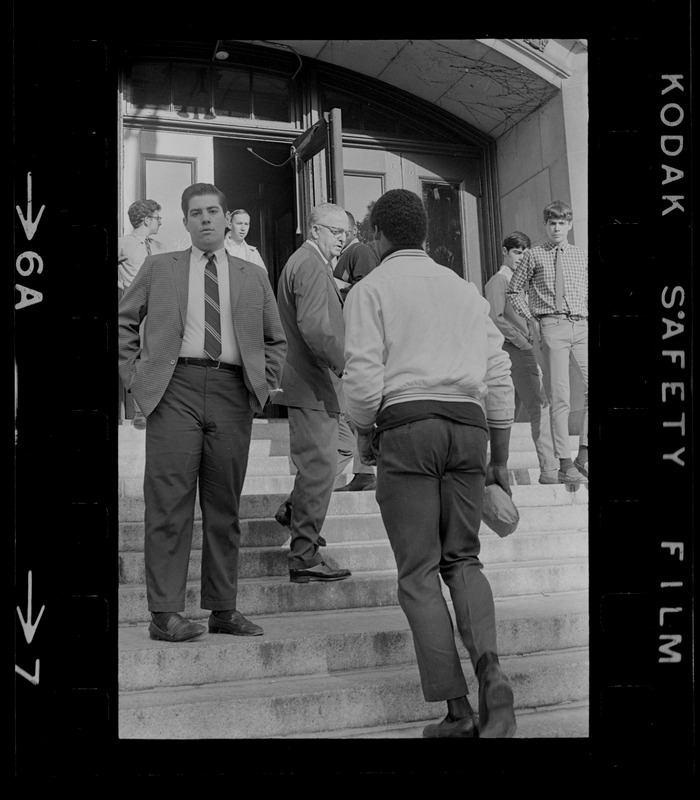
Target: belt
{"x": 237, "y": 369}
{"x": 574, "y": 317}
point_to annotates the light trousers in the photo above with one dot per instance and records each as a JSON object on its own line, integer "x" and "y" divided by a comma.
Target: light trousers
{"x": 528, "y": 382}
{"x": 563, "y": 342}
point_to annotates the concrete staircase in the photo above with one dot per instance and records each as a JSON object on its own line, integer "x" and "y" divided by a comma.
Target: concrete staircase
{"x": 337, "y": 660}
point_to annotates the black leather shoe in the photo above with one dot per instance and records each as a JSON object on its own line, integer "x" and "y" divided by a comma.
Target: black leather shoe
{"x": 238, "y": 625}
{"x": 362, "y": 482}
{"x": 496, "y": 715}
{"x": 284, "y": 514}
{"x": 321, "y": 572}
{"x": 464, "y": 728}
{"x": 175, "y": 629}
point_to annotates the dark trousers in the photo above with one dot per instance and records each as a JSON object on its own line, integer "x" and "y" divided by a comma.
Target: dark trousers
{"x": 198, "y": 436}
{"x": 313, "y": 448}
{"x": 126, "y": 399}
{"x": 430, "y": 487}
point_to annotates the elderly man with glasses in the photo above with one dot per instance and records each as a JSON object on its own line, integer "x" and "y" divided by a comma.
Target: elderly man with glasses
{"x": 311, "y": 311}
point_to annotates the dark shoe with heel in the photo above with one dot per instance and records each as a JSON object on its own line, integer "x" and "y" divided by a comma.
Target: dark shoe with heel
{"x": 321, "y": 572}
{"x": 284, "y": 514}
{"x": 496, "y": 714}
{"x": 464, "y": 728}
{"x": 175, "y": 629}
{"x": 236, "y": 625}
{"x": 572, "y": 476}
{"x": 362, "y": 482}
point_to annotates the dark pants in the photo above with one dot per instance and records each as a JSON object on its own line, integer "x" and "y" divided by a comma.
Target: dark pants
{"x": 197, "y": 436}
{"x": 313, "y": 448}
{"x": 126, "y": 399}
{"x": 430, "y": 486}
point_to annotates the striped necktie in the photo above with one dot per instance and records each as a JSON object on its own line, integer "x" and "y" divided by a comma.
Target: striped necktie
{"x": 147, "y": 242}
{"x": 212, "y": 316}
{"x": 559, "y": 281}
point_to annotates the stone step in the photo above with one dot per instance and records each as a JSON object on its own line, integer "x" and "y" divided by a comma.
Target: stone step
{"x": 274, "y": 483}
{"x": 132, "y": 445}
{"x": 570, "y": 720}
{"x": 361, "y": 698}
{"x": 133, "y": 448}
{"x": 276, "y": 429}
{"x": 372, "y": 555}
{"x": 334, "y": 641}
{"x": 363, "y": 527}
{"x": 132, "y": 465}
{"x": 131, "y": 469}
{"x": 264, "y": 505}
{"x": 276, "y": 595}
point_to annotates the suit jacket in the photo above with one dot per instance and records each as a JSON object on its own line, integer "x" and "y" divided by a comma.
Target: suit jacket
{"x": 312, "y": 316}
{"x": 159, "y": 292}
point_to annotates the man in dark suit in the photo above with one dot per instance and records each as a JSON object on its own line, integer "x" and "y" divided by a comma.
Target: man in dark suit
{"x": 312, "y": 316}
{"x": 211, "y": 352}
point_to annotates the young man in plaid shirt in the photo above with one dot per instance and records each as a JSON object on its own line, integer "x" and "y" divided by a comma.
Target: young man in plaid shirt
{"x": 550, "y": 286}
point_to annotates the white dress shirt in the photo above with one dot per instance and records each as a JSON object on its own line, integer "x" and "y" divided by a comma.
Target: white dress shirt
{"x": 193, "y": 340}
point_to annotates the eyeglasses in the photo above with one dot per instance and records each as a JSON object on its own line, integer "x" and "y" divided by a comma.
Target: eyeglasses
{"x": 334, "y": 231}
{"x": 160, "y": 219}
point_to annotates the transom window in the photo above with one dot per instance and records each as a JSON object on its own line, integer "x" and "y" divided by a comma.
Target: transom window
{"x": 206, "y": 92}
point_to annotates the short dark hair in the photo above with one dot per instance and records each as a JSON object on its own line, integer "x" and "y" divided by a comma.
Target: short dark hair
{"x": 141, "y": 210}
{"x": 401, "y": 216}
{"x": 517, "y": 239}
{"x": 198, "y": 189}
{"x": 558, "y": 210}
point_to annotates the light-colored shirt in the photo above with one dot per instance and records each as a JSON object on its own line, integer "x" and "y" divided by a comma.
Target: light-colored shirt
{"x": 133, "y": 251}
{"x": 536, "y": 273}
{"x": 193, "y": 340}
{"x": 511, "y": 325}
{"x": 243, "y": 250}
{"x": 415, "y": 330}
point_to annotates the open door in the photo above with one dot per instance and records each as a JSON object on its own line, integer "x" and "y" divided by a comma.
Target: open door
{"x": 318, "y": 162}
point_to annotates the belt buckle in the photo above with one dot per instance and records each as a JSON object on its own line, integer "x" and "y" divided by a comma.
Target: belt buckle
{"x": 218, "y": 363}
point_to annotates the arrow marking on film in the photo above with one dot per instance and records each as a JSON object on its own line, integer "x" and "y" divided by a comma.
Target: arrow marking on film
{"x": 30, "y": 225}
{"x": 31, "y": 678}
{"x": 28, "y": 626}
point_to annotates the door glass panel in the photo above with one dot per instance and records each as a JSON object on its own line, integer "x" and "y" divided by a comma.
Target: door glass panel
{"x": 360, "y": 192}
{"x": 164, "y": 181}
{"x": 444, "y": 243}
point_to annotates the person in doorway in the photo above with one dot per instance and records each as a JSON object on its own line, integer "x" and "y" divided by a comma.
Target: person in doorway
{"x": 134, "y": 248}
{"x": 356, "y": 259}
{"x": 235, "y": 242}
{"x": 210, "y": 354}
{"x": 525, "y": 370}
{"x": 554, "y": 277}
{"x": 311, "y": 311}
{"x": 427, "y": 383}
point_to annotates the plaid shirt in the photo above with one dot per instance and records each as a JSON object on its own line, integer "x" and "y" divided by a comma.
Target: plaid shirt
{"x": 535, "y": 276}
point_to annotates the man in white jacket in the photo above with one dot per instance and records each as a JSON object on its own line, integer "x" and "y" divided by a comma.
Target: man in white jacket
{"x": 427, "y": 384}
{"x": 235, "y": 242}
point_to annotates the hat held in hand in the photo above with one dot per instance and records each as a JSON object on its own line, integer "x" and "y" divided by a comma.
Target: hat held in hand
{"x": 499, "y": 511}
